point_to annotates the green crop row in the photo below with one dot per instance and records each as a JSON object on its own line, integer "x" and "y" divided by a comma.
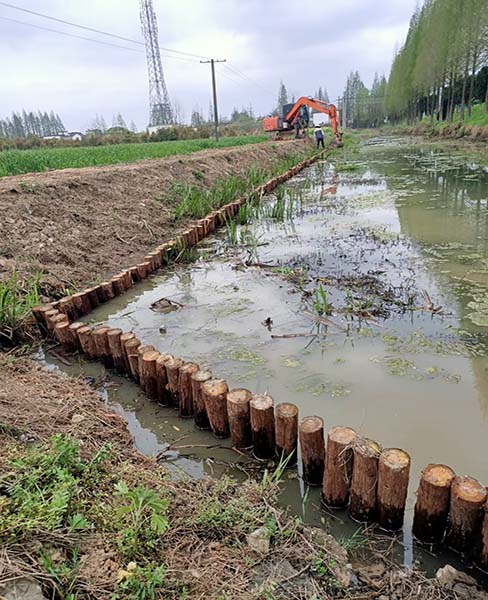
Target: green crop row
{"x": 18, "y": 162}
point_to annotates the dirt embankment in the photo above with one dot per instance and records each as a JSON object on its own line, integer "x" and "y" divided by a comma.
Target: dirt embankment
{"x": 82, "y": 225}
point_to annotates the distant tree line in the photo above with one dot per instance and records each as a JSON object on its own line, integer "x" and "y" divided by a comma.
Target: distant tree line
{"x": 360, "y": 106}
{"x": 27, "y": 124}
{"x": 443, "y": 63}
{"x": 441, "y": 69}
{"x": 285, "y": 98}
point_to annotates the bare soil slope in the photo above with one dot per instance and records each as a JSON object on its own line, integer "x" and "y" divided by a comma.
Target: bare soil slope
{"x": 80, "y": 225}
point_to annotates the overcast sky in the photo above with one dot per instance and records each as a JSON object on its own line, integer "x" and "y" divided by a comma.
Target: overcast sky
{"x": 304, "y": 42}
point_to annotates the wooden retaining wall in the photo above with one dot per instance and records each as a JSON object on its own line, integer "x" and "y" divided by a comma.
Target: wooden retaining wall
{"x": 353, "y": 471}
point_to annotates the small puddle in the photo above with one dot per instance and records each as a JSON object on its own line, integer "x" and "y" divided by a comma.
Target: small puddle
{"x": 393, "y": 244}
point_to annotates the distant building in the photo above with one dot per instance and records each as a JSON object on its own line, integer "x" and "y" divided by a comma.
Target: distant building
{"x": 155, "y": 128}
{"x": 76, "y": 136}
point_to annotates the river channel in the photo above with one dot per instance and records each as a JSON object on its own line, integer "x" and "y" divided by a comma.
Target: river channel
{"x": 358, "y": 292}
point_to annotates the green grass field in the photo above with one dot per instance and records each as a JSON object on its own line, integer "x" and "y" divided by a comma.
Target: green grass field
{"x": 18, "y": 162}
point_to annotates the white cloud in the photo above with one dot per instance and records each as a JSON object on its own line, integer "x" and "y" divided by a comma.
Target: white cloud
{"x": 307, "y": 44}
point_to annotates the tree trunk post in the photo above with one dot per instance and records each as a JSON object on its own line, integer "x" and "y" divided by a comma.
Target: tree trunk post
{"x": 339, "y": 459}
{"x": 482, "y": 554}
{"x": 164, "y": 397}
{"x": 74, "y": 328}
{"x": 141, "y": 350}
{"x": 173, "y": 373}
{"x": 239, "y": 413}
{"x": 131, "y": 348}
{"x": 185, "y": 405}
{"x": 312, "y": 446}
{"x": 468, "y": 498}
{"x": 124, "y": 338}
{"x": 115, "y": 347}
{"x": 393, "y": 476}
{"x": 362, "y": 506}
{"x": 86, "y": 341}
{"x": 66, "y": 337}
{"x": 101, "y": 345}
{"x": 286, "y": 431}
{"x": 214, "y": 392}
{"x": 200, "y": 412}
{"x": 432, "y": 505}
{"x": 262, "y": 426}
{"x": 148, "y": 375}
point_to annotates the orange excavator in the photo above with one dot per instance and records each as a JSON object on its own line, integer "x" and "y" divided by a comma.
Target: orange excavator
{"x": 296, "y": 117}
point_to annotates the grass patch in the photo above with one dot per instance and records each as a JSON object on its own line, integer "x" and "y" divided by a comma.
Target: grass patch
{"x": 17, "y": 162}
{"x": 197, "y": 202}
{"x": 16, "y": 302}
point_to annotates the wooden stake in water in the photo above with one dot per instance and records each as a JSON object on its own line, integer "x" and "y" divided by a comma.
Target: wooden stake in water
{"x": 432, "y": 505}
{"x": 338, "y": 467}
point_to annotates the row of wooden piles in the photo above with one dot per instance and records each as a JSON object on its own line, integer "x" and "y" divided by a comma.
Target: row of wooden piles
{"x": 57, "y": 315}
{"x": 353, "y": 471}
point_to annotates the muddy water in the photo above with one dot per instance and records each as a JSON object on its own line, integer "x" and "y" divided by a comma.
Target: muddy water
{"x": 395, "y": 238}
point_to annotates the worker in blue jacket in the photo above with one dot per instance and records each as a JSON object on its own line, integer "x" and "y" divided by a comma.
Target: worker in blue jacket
{"x": 319, "y": 136}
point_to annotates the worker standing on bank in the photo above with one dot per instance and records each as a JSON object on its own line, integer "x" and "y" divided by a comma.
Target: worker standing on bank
{"x": 319, "y": 136}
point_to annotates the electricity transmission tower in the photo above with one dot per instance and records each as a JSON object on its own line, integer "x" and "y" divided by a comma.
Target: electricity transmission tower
{"x": 160, "y": 112}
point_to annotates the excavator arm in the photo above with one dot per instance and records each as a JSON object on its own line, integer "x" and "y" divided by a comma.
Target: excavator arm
{"x": 317, "y": 105}
{"x": 294, "y": 115}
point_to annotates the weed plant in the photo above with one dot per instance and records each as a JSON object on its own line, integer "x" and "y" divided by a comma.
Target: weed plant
{"x": 16, "y": 302}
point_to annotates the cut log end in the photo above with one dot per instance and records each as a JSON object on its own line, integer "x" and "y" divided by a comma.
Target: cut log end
{"x": 286, "y": 432}
{"x": 432, "y": 505}
{"x": 393, "y": 476}
{"x": 364, "y": 480}
{"x": 185, "y": 405}
{"x": 338, "y": 469}
{"x": 238, "y": 410}
{"x": 200, "y": 412}
{"x": 262, "y": 426}
{"x": 468, "y": 497}
{"x": 214, "y": 393}
{"x": 312, "y": 445}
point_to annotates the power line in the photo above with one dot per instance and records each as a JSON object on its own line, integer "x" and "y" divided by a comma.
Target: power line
{"x": 79, "y": 37}
{"x": 246, "y": 77}
{"x": 87, "y": 39}
{"x": 101, "y": 32}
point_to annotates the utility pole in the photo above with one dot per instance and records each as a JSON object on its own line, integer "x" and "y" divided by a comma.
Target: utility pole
{"x": 212, "y": 62}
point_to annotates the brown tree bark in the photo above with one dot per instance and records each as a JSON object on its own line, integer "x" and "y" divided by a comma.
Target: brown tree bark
{"x": 214, "y": 392}
{"x": 239, "y": 413}
{"x": 66, "y": 337}
{"x": 164, "y": 396}
{"x": 115, "y": 348}
{"x": 468, "y": 498}
{"x": 124, "y": 338}
{"x": 262, "y": 426}
{"x": 286, "y": 432}
{"x": 201, "y": 417}
{"x": 362, "y": 506}
{"x": 432, "y": 505}
{"x": 82, "y": 303}
{"x": 339, "y": 459}
{"x": 312, "y": 446}
{"x": 393, "y": 476}
{"x": 173, "y": 374}
{"x": 86, "y": 341}
{"x": 185, "y": 405}
{"x": 131, "y": 347}
{"x": 148, "y": 376}
{"x": 101, "y": 344}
